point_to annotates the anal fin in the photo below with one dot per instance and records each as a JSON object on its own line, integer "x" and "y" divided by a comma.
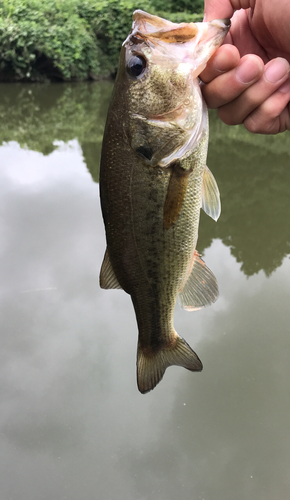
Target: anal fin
{"x": 201, "y": 288}
{"x": 108, "y": 278}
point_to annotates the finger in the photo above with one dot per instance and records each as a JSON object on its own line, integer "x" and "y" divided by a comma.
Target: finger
{"x": 220, "y": 9}
{"x": 275, "y": 74}
{"x": 229, "y": 86}
{"x": 273, "y": 115}
{"x": 242, "y": 36}
{"x": 224, "y": 59}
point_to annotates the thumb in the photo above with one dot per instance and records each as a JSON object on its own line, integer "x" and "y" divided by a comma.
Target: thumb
{"x": 223, "y": 9}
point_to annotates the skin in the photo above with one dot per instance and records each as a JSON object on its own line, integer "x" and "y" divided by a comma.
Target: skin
{"x": 247, "y": 79}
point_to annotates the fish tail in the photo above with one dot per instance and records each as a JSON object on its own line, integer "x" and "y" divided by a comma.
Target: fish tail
{"x": 151, "y": 368}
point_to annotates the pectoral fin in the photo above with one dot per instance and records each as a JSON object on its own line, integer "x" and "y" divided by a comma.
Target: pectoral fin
{"x": 211, "y": 203}
{"x": 201, "y": 287}
{"x": 107, "y": 275}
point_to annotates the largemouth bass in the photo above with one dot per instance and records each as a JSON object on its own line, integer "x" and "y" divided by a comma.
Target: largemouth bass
{"x": 153, "y": 182}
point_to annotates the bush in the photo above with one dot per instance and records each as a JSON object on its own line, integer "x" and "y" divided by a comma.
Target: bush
{"x": 45, "y": 40}
{"x": 190, "y": 6}
{"x": 71, "y": 39}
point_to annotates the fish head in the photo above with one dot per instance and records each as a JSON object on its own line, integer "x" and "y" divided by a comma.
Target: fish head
{"x": 158, "y": 77}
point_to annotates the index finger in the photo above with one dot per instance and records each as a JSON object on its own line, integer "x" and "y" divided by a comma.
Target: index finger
{"x": 224, "y": 59}
{"x": 223, "y": 9}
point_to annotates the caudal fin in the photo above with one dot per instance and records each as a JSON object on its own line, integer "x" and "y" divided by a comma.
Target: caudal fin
{"x": 150, "y": 369}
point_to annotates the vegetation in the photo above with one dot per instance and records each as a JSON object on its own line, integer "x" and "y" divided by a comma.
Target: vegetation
{"x": 72, "y": 39}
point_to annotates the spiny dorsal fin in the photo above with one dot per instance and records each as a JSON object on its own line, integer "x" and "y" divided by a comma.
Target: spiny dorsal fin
{"x": 201, "y": 287}
{"x": 211, "y": 203}
{"x": 150, "y": 369}
{"x": 107, "y": 275}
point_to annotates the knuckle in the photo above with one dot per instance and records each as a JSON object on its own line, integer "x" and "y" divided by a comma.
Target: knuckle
{"x": 256, "y": 125}
{"x": 252, "y": 126}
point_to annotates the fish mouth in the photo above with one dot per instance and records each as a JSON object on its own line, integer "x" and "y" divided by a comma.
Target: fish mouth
{"x": 227, "y": 22}
{"x": 211, "y": 35}
{"x": 223, "y": 23}
{"x": 149, "y": 27}
{"x": 214, "y": 32}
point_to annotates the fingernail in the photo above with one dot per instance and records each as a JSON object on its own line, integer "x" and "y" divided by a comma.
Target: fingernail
{"x": 276, "y": 70}
{"x": 247, "y": 71}
{"x": 285, "y": 87}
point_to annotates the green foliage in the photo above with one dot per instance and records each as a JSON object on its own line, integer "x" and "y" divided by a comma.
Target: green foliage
{"x": 72, "y": 39}
{"x": 45, "y": 39}
{"x": 190, "y": 6}
{"x": 181, "y": 17}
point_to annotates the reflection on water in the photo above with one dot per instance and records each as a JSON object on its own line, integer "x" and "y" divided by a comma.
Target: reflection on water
{"x": 254, "y": 180}
{"x": 37, "y": 115}
{"x": 252, "y": 171}
{"x": 73, "y": 425}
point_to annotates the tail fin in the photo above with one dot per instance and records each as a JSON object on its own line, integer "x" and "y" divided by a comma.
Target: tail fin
{"x": 150, "y": 369}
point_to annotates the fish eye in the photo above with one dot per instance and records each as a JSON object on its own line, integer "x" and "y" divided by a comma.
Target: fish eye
{"x": 136, "y": 66}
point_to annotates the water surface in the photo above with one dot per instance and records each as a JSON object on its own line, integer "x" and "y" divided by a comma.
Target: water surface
{"x": 73, "y": 424}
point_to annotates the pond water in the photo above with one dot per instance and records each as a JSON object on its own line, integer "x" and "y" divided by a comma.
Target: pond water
{"x": 73, "y": 424}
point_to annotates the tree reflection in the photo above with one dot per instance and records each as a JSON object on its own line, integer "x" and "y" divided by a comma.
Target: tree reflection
{"x": 252, "y": 171}
{"x": 254, "y": 177}
{"x": 36, "y": 115}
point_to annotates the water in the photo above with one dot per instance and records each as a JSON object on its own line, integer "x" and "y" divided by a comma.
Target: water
{"x": 73, "y": 425}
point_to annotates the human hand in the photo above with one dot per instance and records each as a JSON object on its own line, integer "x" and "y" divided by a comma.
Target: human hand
{"x": 248, "y": 78}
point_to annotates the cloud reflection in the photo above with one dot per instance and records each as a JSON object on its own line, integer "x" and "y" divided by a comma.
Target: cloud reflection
{"x": 73, "y": 424}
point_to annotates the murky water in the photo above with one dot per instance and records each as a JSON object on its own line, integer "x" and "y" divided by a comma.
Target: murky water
{"x": 73, "y": 425}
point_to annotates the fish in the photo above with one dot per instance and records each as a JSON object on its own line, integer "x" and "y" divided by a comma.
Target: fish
{"x": 153, "y": 182}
